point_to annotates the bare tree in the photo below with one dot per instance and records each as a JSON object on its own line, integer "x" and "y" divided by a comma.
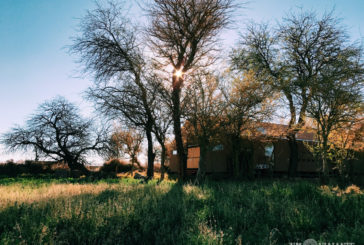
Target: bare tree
{"x": 337, "y": 99}
{"x": 130, "y": 104}
{"x": 204, "y": 115}
{"x": 109, "y": 49}
{"x": 247, "y": 102}
{"x": 57, "y": 131}
{"x": 162, "y": 118}
{"x": 128, "y": 142}
{"x": 183, "y": 33}
{"x": 291, "y": 59}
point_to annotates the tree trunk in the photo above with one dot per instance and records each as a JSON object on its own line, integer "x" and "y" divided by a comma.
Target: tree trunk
{"x": 201, "y": 173}
{"x": 36, "y": 155}
{"x": 136, "y": 161}
{"x": 247, "y": 160}
{"x": 132, "y": 165}
{"x": 74, "y": 165}
{"x": 163, "y": 159}
{"x": 176, "y": 116}
{"x": 151, "y": 154}
{"x": 236, "y": 156}
{"x": 325, "y": 164}
{"x": 293, "y": 157}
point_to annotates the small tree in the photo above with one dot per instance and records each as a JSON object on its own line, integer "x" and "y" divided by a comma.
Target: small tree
{"x": 57, "y": 131}
{"x": 162, "y": 118}
{"x": 247, "y": 101}
{"x": 127, "y": 142}
{"x": 337, "y": 98}
{"x": 346, "y": 140}
{"x": 204, "y": 114}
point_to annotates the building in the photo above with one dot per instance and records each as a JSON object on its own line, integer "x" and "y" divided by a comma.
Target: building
{"x": 267, "y": 151}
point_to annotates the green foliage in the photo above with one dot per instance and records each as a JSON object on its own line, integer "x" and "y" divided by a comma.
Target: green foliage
{"x": 125, "y": 212}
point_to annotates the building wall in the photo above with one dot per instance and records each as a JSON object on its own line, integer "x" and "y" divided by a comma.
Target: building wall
{"x": 174, "y": 164}
{"x": 358, "y": 163}
{"x": 219, "y": 161}
{"x": 281, "y": 156}
{"x": 193, "y": 157}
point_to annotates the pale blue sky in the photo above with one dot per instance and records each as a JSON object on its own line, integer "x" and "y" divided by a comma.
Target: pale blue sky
{"x": 34, "y": 66}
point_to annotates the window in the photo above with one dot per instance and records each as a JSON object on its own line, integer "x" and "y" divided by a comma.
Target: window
{"x": 269, "y": 152}
{"x": 218, "y": 148}
{"x": 261, "y": 130}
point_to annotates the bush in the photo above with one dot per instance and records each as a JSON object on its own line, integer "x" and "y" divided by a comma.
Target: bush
{"x": 9, "y": 169}
{"x": 12, "y": 169}
{"x": 36, "y": 167}
{"x": 115, "y": 166}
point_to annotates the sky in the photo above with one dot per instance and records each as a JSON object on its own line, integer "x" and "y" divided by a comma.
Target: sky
{"x": 35, "y": 65}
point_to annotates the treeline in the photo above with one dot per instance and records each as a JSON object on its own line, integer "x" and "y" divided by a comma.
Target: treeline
{"x": 163, "y": 79}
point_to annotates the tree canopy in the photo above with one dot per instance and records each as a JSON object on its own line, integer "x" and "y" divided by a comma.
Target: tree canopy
{"x": 57, "y": 131}
{"x": 294, "y": 58}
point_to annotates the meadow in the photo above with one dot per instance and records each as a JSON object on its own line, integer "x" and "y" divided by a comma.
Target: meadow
{"x": 126, "y": 211}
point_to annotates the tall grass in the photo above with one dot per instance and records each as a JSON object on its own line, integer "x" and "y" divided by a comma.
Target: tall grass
{"x": 127, "y": 212}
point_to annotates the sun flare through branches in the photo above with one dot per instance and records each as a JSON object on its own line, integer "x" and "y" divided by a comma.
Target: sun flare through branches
{"x": 178, "y": 73}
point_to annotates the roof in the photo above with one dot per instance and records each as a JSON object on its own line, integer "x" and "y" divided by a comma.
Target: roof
{"x": 349, "y": 137}
{"x": 280, "y": 131}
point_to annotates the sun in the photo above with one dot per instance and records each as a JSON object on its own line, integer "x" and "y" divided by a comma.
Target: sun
{"x": 178, "y": 73}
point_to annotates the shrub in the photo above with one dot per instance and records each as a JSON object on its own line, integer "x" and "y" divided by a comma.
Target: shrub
{"x": 35, "y": 167}
{"x": 12, "y": 169}
{"x": 9, "y": 169}
{"x": 115, "y": 166}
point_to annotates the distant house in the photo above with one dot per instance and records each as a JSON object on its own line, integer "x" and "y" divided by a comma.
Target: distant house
{"x": 266, "y": 148}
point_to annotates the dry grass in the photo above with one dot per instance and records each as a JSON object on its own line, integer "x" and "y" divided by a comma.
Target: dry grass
{"x": 352, "y": 189}
{"x": 30, "y": 194}
{"x": 157, "y": 175}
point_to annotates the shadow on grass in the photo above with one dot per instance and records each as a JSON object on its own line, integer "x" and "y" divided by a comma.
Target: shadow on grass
{"x": 143, "y": 215}
{"x": 50, "y": 179}
{"x": 215, "y": 212}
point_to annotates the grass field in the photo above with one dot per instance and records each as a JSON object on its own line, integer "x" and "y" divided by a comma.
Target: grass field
{"x": 124, "y": 211}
